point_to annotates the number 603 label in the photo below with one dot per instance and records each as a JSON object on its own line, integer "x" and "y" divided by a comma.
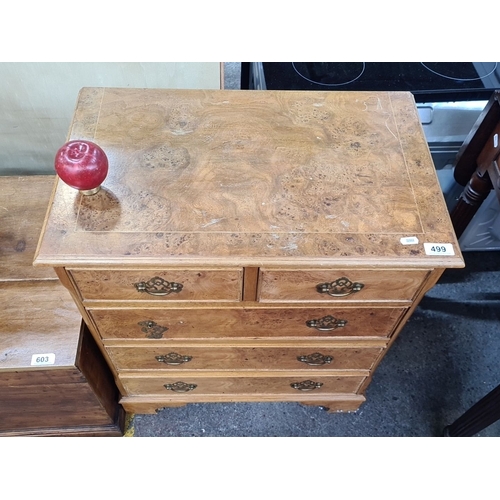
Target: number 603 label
{"x": 43, "y": 359}
{"x": 439, "y": 249}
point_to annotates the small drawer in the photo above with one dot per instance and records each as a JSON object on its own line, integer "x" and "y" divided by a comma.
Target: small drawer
{"x": 185, "y": 324}
{"x": 338, "y": 285}
{"x": 160, "y": 285}
{"x": 191, "y": 387}
{"x": 188, "y": 358}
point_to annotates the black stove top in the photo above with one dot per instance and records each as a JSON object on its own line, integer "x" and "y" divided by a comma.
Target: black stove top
{"x": 429, "y": 82}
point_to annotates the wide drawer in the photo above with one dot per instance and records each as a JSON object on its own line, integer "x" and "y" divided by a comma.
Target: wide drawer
{"x": 245, "y": 323}
{"x": 193, "y": 386}
{"x": 338, "y": 285}
{"x": 161, "y": 285}
{"x": 219, "y": 358}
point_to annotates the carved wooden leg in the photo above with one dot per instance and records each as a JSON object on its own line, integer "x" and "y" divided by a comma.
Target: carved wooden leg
{"x": 484, "y": 413}
{"x": 470, "y": 200}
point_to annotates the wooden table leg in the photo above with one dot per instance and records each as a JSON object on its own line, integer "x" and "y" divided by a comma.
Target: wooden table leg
{"x": 484, "y": 413}
{"x": 476, "y": 191}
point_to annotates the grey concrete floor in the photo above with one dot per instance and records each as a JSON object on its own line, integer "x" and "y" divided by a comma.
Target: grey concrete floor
{"x": 444, "y": 360}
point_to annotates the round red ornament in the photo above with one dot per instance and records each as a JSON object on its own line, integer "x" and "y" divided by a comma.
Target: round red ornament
{"x": 82, "y": 165}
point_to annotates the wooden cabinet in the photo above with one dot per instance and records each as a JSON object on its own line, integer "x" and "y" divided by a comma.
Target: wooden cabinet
{"x": 249, "y": 246}
{"x": 53, "y": 378}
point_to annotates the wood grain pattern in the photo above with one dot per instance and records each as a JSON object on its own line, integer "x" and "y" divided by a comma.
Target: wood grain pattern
{"x": 198, "y": 285}
{"x": 251, "y": 200}
{"x": 76, "y": 394}
{"x": 237, "y": 387}
{"x": 208, "y": 358}
{"x": 37, "y": 317}
{"x": 250, "y": 283}
{"x": 32, "y": 406}
{"x": 23, "y": 204}
{"x": 300, "y": 286}
{"x": 251, "y": 177}
{"x": 79, "y": 398}
{"x": 334, "y": 403}
{"x": 237, "y": 323}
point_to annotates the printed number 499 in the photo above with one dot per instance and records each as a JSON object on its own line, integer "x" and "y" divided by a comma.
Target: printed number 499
{"x": 439, "y": 249}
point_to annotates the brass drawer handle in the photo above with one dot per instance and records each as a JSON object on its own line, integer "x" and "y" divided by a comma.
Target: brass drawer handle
{"x": 152, "y": 330}
{"x": 173, "y": 358}
{"x": 180, "y": 387}
{"x": 315, "y": 359}
{"x": 340, "y": 287}
{"x": 306, "y": 385}
{"x": 158, "y": 286}
{"x": 326, "y": 323}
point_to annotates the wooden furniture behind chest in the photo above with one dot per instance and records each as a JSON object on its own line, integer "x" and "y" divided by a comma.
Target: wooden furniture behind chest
{"x": 477, "y": 168}
{"x": 53, "y": 377}
{"x": 249, "y": 245}
{"x": 477, "y": 165}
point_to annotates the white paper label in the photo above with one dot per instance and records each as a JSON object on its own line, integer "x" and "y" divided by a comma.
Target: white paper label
{"x": 409, "y": 240}
{"x": 43, "y": 359}
{"x": 439, "y": 249}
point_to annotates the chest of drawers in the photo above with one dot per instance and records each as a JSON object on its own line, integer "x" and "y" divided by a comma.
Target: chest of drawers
{"x": 249, "y": 245}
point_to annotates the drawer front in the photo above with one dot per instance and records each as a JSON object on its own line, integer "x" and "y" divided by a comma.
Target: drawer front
{"x": 338, "y": 285}
{"x": 160, "y": 285}
{"x": 187, "y": 358}
{"x": 245, "y": 323}
{"x": 193, "y": 386}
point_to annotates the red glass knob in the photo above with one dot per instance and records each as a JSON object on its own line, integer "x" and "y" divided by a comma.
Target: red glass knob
{"x": 82, "y": 165}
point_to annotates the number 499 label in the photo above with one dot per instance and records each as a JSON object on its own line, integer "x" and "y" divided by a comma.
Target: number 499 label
{"x": 43, "y": 359}
{"x": 439, "y": 249}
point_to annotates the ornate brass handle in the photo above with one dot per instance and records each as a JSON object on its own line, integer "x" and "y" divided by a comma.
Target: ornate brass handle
{"x": 180, "y": 387}
{"x": 326, "y": 323}
{"x": 173, "y": 358}
{"x": 158, "y": 286}
{"x": 340, "y": 287}
{"x": 306, "y": 385}
{"x": 152, "y": 330}
{"x": 315, "y": 359}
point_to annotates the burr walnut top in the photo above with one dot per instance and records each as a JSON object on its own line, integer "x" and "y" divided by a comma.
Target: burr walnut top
{"x": 214, "y": 177}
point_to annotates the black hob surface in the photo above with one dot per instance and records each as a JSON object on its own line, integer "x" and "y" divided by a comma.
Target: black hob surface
{"x": 429, "y": 82}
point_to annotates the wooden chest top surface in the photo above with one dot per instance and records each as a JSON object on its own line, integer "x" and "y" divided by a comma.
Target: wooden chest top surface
{"x": 251, "y": 178}
{"x": 23, "y": 203}
{"x": 37, "y": 314}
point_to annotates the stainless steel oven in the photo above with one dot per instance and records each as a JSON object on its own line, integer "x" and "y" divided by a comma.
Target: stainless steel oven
{"x": 449, "y": 97}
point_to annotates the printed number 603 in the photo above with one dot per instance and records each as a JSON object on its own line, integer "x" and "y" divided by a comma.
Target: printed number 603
{"x": 43, "y": 359}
